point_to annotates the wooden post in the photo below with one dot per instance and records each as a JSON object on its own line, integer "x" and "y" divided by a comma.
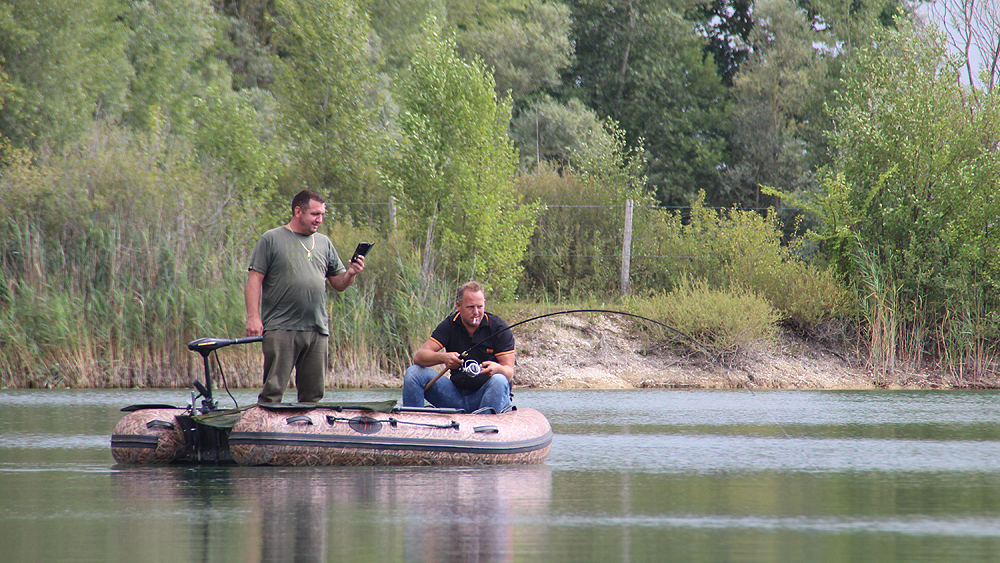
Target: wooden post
{"x": 392, "y": 213}
{"x": 627, "y": 247}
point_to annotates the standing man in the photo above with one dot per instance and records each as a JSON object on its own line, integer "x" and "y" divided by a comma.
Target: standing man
{"x": 286, "y": 299}
{"x": 486, "y": 338}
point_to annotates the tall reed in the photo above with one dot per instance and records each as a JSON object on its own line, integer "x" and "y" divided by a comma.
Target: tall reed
{"x": 879, "y": 302}
{"x": 377, "y": 324}
{"x": 967, "y": 339}
{"x": 905, "y": 331}
{"x": 120, "y": 315}
{"x": 116, "y": 254}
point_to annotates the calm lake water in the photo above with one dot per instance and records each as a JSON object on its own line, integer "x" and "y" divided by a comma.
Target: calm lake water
{"x": 645, "y": 475}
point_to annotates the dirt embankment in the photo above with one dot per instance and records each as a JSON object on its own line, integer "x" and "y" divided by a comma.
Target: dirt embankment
{"x": 601, "y": 352}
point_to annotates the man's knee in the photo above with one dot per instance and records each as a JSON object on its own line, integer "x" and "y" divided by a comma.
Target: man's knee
{"x": 417, "y": 377}
{"x": 413, "y": 374}
{"x": 499, "y": 380}
{"x": 496, "y": 393}
{"x": 414, "y": 380}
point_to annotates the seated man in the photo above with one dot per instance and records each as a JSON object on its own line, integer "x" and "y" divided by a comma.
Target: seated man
{"x": 487, "y": 339}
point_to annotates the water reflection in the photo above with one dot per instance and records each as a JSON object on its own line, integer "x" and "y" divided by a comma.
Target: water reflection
{"x": 672, "y": 476}
{"x": 294, "y": 514}
{"x": 328, "y": 513}
{"x": 183, "y": 512}
{"x": 432, "y": 514}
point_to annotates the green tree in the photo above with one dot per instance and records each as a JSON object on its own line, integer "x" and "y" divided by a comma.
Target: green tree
{"x": 182, "y": 85}
{"x": 172, "y": 48}
{"x": 643, "y": 65}
{"x": 915, "y": 196}
{"x": 398, "y": 25}
{"x": 777, "y": 109}
{"x": 248, "y": 52}
{"x": 453, "y": 167}
{"x": 66, "y": 66}
{"x": 328, "y": 93}
{"x": 563, "y": 134}
{"x": 525, "y": 45}
{"x": 905, "y": 130}
{"x": 235, "y": 140}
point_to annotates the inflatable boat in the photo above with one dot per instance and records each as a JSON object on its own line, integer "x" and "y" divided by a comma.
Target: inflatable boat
{"x": 333, "y": 435}
{"x": 376, "y": 433}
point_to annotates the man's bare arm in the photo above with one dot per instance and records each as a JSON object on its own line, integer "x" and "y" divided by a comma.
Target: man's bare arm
{"x": 251, "y": 294}
{"x": 431, "y": 354}
{"x": 504, "y": 365}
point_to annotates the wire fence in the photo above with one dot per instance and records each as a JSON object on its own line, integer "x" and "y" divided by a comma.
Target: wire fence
{"x": 576, "y": 247}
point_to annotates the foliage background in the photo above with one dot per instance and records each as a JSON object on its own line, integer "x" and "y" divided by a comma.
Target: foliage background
{"x": 836, "y": 165}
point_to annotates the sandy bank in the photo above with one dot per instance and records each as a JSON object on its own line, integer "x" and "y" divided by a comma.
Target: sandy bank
{"x": 600, "y": 352}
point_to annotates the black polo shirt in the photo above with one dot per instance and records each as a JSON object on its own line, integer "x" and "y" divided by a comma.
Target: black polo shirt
{"x": 492, "y": 339}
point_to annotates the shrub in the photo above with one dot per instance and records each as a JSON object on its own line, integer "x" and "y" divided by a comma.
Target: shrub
{"x": 738, "y": 249}
{"x": 570, "y": 247}
{"x": 731, "y": 324}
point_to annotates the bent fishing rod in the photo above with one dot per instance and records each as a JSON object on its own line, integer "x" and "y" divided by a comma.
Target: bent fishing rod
{"x": 465, "y": 354}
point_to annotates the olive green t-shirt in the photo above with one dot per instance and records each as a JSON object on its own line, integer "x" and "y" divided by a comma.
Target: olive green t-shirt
{"x": 295, "y": 269}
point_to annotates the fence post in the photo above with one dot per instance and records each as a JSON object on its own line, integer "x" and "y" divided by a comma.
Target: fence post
{"x": 627, "y": 247}
{"x": 392, "y": 213}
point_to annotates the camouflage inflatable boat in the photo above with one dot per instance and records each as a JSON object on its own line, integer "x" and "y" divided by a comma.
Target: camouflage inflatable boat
{"x": 377, "y": 433}
{"x": 330, "y": 434}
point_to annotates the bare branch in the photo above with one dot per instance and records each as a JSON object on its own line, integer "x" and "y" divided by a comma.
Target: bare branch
{"x": 972, "y": 28}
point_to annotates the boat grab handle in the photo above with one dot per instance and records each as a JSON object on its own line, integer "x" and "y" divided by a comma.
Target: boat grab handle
{"x": 298, "y": 418}
{"x": 486, "y": 430}
{"x": 450, "y": 424}
{"x": 160, "y": 424}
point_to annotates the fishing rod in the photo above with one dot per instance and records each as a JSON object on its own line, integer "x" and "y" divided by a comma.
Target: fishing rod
{"x": 465, "y": 354}
{"x": 691, "y": 340}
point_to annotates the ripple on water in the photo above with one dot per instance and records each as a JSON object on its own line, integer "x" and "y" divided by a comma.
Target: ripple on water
{"x": 707, "y": 453}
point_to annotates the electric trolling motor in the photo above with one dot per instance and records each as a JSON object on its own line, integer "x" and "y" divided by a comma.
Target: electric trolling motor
{"x": 206, "y": 346}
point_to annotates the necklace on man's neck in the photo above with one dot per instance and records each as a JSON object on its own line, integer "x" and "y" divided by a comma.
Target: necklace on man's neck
{"x": 309, "y": 251}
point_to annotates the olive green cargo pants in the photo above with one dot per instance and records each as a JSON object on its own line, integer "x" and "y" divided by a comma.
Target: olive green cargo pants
{"x": 306, "y": 351}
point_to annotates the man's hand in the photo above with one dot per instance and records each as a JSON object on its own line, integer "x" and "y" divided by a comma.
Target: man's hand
{"x": 357, "y": 265}
{"x": 504, "y": 367}
{"x": 431, "y": 354}
{"x": 255, "y": 327}
{"x": 489, "y": 368}
{"x": 452, "y": 360}
{"x": 344, "y": 280}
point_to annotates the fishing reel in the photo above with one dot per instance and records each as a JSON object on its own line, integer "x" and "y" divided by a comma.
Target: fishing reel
{"x": 471, "y": 368}
{"x": 465, "y": 377}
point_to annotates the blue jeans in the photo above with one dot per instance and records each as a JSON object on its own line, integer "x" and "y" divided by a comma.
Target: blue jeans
{"x": 443, "y": 394}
